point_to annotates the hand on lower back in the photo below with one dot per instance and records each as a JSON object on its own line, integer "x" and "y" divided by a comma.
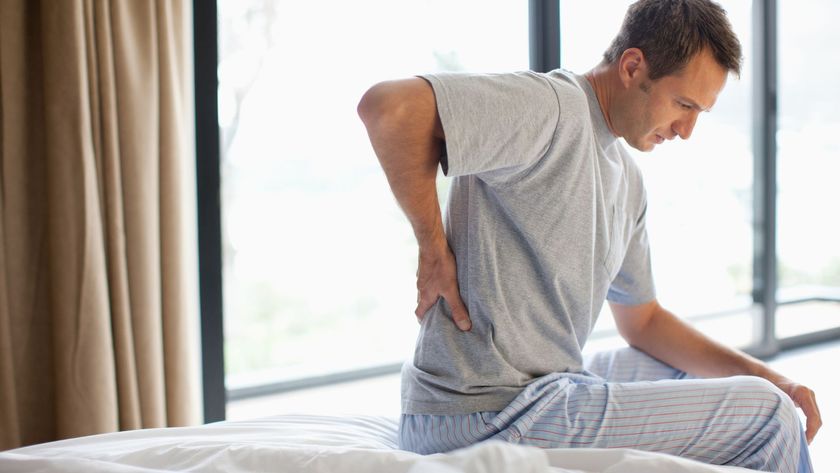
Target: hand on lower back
{"x": 437, "y": 276}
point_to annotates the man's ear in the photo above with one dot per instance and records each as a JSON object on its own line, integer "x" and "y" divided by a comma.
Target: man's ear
{"x": 632, "y": 67}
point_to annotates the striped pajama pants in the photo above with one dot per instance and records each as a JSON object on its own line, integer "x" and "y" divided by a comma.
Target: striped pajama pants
{"x": 626, "y": 399}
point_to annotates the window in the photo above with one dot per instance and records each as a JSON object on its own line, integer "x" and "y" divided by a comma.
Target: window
{"x": 808, "y": 228}
{"x": 319, "y": 261}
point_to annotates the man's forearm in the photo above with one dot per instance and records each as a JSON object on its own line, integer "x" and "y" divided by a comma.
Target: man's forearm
{"x": 413, "y": 183}
{"x": 402, "y": 123}
{"x": 673, "y": 341}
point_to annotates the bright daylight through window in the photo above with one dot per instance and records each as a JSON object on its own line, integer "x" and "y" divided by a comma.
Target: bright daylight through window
{"x": 808, "y": 226}
{"x": 318, "y": 259}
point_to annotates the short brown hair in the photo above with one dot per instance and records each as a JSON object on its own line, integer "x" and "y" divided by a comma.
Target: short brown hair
{"x": 671, "y": 32}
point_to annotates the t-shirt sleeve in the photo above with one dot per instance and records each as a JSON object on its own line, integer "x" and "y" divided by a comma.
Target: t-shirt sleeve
{"x": 494, "y": 123}
{"x": 633, "y": 284}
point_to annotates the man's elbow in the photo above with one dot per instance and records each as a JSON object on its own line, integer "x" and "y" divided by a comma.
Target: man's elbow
{"x": 631, "y": 335}
{"x": 379, "y": 105}
{"x": 367, "y": 106}
{"x": 404, "y": 106}
{"x": 633, "y": 322}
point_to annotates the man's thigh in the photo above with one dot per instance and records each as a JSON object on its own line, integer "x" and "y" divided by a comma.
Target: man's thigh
{"x": 630, "y": 364}
{"x": 744, "y": 421}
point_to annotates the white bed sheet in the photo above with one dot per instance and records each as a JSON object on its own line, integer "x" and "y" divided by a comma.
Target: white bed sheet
{"x": 314, "y": 444}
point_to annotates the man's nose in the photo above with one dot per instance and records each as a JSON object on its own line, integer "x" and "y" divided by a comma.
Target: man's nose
{"x": 685, "y": 126}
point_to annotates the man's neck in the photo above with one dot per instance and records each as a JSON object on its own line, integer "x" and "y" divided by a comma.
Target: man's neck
{"x": 600, "y": 78}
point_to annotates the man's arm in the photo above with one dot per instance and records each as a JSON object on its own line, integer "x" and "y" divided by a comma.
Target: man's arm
{"x": 664, "y": 336}
{"x": 405, "y": 130}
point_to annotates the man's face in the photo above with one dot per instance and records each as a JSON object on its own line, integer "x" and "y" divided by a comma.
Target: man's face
{"x": 655, "y": 111}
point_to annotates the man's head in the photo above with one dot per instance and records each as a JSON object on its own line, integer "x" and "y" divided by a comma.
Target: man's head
{"x": 671, "y": 32}
{"x": 672, "y": 58}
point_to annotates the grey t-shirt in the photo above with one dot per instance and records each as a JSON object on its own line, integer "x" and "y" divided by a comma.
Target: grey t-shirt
{"x": 546, "y": 218}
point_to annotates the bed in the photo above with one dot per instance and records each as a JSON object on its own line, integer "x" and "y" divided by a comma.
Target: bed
{"x": 306, "y": 443}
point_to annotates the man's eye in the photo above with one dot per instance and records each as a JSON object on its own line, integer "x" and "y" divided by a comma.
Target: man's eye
{"x": 685, "y": 106}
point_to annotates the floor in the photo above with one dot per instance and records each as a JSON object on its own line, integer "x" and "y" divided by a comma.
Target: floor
{"x": 380, "y": 396}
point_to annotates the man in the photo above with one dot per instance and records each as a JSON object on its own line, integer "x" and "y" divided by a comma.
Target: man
{"x": 546, "y": 220}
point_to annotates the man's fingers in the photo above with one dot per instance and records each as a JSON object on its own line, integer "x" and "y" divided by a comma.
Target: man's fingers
{"x": 424, "y": 303}
{"x": 812, "y": 413}
{"x": 459, "y": 311}
{"x": 812, "y": 426}
{"x": 806, "y": 400}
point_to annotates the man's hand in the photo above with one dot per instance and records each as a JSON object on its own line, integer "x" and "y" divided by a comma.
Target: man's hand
{"x": 437, "y": 277}
{"x": 804, "y": 399}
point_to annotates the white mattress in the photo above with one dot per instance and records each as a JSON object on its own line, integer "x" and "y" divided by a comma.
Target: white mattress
{"x": 315, "y": 444}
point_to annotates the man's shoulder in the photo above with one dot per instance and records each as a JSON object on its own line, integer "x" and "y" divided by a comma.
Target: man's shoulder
{"x": 563, "y": 82}
{"x": 568, "y": 87}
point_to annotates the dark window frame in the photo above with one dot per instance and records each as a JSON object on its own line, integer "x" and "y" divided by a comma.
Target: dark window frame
{"x": 544, "y": 45}
{"x": 208, "y": 181}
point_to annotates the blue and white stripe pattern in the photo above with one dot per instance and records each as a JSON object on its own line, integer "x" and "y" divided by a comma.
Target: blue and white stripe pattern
{"x": 626, "y": 399}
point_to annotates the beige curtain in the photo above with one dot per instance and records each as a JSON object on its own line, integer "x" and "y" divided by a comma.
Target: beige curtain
{"x": 98, "y": 310}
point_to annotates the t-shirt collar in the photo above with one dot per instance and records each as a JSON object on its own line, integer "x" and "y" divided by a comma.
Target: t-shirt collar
{"x": 603, "y": 134}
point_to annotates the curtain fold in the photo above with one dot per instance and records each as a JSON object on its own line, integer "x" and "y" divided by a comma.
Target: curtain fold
{"x": 98, "y": 306}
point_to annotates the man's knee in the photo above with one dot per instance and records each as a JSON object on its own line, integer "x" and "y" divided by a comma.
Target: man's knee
{"x": 768, "y": 401}
{"x": 774, "y": 424}
{"x": 758, "y": 385}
